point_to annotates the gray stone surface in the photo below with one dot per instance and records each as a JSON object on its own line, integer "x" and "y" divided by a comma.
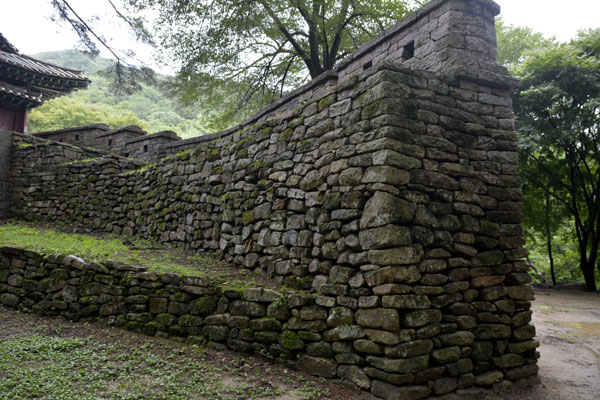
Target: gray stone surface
{"x": 382, "y": 196}
{"x": 5, "y": 187}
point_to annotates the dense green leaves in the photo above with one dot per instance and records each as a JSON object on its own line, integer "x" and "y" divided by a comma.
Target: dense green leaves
{"x": 558, "y": 118}
{"x": 66, "y": 112}
{"x": 515, "y": 41}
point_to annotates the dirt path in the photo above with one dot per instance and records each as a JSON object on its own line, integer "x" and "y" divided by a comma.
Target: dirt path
{"x": 568, "y": 326}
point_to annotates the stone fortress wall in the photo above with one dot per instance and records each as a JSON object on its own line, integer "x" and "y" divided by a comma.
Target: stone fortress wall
{"x": 457, "y": 39}
{"x": 129, "y": 141}
{"x": 389, "y": 189}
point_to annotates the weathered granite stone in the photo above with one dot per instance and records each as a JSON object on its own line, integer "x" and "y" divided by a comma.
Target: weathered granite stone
{"x": 391, "y": 392}
{"x": 317, "y": 366}
{"x": 383, "y": 209}
{"x": 382, "y": 318}
{"x": 421, "y": 318}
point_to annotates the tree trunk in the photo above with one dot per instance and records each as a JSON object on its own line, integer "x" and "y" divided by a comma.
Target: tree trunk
{"x": 549, "y": 239}
{"x": 589, "y": 277}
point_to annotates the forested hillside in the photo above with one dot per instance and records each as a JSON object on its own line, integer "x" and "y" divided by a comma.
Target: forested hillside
{"x": 152, "y": 107}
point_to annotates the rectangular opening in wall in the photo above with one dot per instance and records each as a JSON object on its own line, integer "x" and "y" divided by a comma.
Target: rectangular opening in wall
{"x": 145, "y": 148}
{"x": 408, "y": 51}
{"x": 367, "y": 65}
{"x": 76, "y": 137}
{"x": 110, "y": 142}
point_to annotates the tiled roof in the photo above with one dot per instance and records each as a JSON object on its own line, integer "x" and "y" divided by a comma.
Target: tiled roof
{"x": 19, "y": 94}
{"x": 82, "y": 128}
{"x": 48, "y": 79}
{"x": 41, "y": 67}
{"x": 6, "y": 46}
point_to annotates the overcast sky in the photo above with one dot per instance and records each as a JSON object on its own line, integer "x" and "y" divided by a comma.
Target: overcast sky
{"x": 27, "y": 24}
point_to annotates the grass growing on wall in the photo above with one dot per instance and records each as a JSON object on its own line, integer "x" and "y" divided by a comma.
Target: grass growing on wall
{"x": 91, "y": 248}
{"x": 51, "y": 239}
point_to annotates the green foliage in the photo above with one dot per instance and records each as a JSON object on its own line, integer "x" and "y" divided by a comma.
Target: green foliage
{"x": 237, "y": 56}
{"x": 56, "y": 360}
{"x": 91, "y": 248}
{"x": 76, "y": 60}
{"x": 514, "y": 42}
{"x": 153, "y": 107}
{"x": 558, "y": 118}
{"x": 65, "y": 112}
{"x": 564, "y": 252}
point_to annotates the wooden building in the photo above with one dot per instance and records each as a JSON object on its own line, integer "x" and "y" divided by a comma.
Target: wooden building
{"x": 26, "y": 82}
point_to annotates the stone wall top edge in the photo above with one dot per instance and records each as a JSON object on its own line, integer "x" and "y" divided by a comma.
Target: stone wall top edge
{"x": 129, "y": 128}
{"x": 162, "y": 134}
{"x": 270, "y": 109}
{"x": 117, "y": 267}
{"x": 72, "y": 129}
{"x": 405, "y": 22}
{"x": 497, "y": 80}
{"x": 49, "y": 142}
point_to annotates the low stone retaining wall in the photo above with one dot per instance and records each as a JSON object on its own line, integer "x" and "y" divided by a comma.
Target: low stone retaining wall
{"x": 376, "y": 347}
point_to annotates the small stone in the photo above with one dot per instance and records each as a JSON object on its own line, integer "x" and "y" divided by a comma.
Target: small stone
{"x": 9, "y": 299}
{"x": 489, "y": 378}
{"x": 393, "y": 392}
{"x": 421, "y": 318}
{"x": 320, "y": 349}
{"x": 317, "y": 366}
{"x": 339, "y": 316}
{"x": 378, "y": 318}
{"x": 395, "y": 274}
{"x": 383, "y": 209}
{"x": 522, "y": 372}
{"x": 368, "y": 346}
{"x": 493, "y": 331}
{"x": 396, "y": 256}
{"x": 344, "y": 332}
{"x": 410, "y": 349}
{"x": 446, "y": 354}
{"x": 404, "y": 366}
{"x": 408, "y": 301}
{"x": 355, "y": 375}
{"x": 384, "y": 236}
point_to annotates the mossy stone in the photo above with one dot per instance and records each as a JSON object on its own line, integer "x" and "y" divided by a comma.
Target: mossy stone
{"x": 290, "y": 341}
{"x": 204, "y": 306}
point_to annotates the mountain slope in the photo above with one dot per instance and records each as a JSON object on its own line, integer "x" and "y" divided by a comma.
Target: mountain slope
{"x": 152, "y": 107}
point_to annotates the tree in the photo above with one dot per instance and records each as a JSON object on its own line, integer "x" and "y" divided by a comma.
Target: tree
{"x": 249, "y": 52}
{"x": 64, "y": 112}
{"x": 236, "y": 56}
{"x": 514, "y": 42}
{"x": 127, "y": 72}
{"x": 542, "y": 215}
{"x": 558, "y": 118}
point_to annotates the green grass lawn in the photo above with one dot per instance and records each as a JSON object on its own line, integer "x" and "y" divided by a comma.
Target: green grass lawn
{"x": 59, "y": 239}
{"x": 132, "y": 251}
